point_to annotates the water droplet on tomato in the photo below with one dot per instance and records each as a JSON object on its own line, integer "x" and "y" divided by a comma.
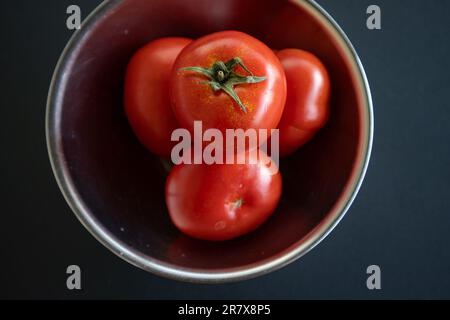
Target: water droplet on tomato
{"x": 220, "y": 225}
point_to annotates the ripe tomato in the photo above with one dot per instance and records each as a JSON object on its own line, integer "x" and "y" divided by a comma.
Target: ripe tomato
{"x": 147, "y": 101}
{"x": 221, "y": 201}
{"x": 230, "y": 80}
{"x": 308, "y": 92}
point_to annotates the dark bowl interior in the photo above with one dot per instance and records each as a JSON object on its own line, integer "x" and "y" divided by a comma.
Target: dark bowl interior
{"x": 122, "y": 184}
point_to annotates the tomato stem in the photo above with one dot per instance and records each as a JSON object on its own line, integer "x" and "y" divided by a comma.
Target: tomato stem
{"x": 221, "y": 76}
{"x": 238, "y": 203}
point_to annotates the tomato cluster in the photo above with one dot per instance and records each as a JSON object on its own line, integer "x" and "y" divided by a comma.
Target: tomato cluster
{"x": 227, "y": 80}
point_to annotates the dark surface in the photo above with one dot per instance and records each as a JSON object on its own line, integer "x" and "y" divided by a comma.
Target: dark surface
{"x": 399, "y": 220}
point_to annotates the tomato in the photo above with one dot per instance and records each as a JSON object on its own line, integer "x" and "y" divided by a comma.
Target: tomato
{"x": 307, "y": 103}
{"x": 226, "y": 80}
{"x": 222, "y": 201}
{"x": 147, "y": 101}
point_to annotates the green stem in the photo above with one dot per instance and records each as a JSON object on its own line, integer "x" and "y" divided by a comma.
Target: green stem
{"x": 238, "y": 203}
{"x": 222, "y": 77}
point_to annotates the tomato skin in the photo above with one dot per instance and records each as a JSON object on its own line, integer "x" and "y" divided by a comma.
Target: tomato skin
{"x": 307, "y": 103}
{"x": 193, "y": 100}
{"x": 146, "y": 97}
{"x": 203, "y": 200}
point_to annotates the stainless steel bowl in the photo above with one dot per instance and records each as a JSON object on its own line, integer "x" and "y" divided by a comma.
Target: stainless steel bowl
{"x": 115, "y": 187}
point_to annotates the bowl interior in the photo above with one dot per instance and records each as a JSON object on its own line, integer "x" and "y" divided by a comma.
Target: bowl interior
{"x": 122, "y": 184}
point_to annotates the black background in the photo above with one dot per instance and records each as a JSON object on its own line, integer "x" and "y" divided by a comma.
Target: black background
{"x": 399, "y": 221}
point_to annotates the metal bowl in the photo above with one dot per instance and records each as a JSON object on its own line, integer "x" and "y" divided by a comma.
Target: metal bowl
{"x": 116, "y": 187}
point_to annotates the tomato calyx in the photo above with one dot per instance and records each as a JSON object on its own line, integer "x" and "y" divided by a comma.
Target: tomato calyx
{"x": 222, "y": 77}
{"x": 237, "y": 204}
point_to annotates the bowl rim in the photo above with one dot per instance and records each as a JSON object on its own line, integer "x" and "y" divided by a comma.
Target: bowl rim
{"x": 136, "y": 258}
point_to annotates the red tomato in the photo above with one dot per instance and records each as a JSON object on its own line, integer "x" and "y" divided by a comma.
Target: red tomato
{"x": 307, "y": 103}
{"x": 228, "y": 79}
{"x": 147, "y": 101}
{"x": 221, "y": 201}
